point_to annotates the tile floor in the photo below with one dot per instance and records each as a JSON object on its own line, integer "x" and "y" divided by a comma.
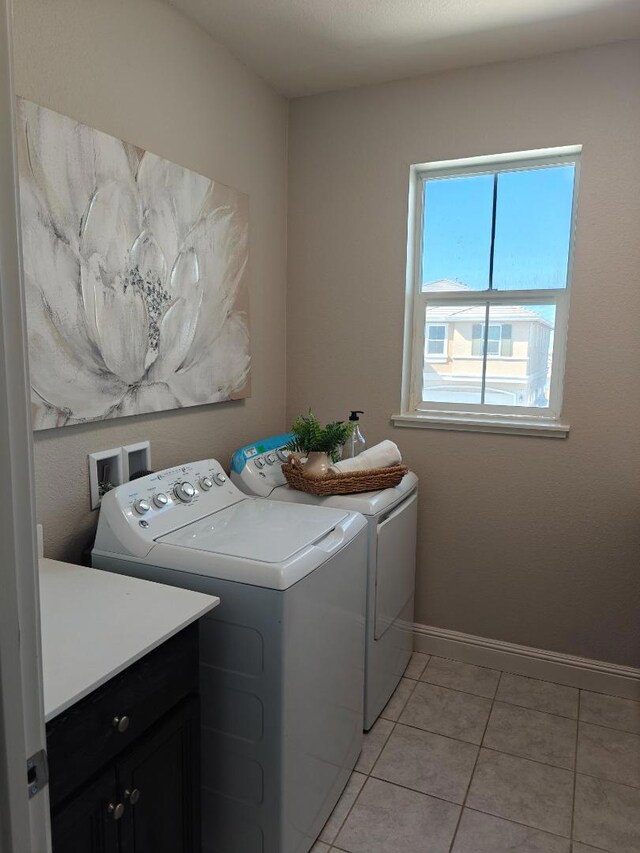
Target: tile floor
{"x": 471, "y": 760}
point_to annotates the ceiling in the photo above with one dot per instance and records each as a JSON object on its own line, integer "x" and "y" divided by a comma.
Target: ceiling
{"x": 302, "y": 47}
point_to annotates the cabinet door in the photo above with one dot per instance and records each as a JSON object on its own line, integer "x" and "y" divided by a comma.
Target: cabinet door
{"x": 87, "y": 824}
{"x": 159, "y": 782}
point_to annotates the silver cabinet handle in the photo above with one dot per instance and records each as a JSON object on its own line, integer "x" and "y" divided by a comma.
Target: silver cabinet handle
{"x": 132, "y": 796}
{"x": 116, "y": 810}
{"x": 121, "y": 723}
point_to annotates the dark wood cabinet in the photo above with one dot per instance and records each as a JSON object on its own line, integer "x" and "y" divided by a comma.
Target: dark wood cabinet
{"x": 84, "y": 824}
{"x": 161, "y": 788}
{"x": 131, "y": 787}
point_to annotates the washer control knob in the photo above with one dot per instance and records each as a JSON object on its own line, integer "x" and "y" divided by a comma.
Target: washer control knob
{"x": 185, "y": 492}
{"x": 220, "y": 479}
{"x": 160, "y": 500}
{"x": 206, "y": 483}
{"x": 259, "y": 463}
{"x": 283, "y": 454}
{"x": 270, "y": 458}
{"x": 141, "y": 506}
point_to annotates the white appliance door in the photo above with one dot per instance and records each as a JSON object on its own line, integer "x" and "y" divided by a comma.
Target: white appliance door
{"x": 258, "y": 529}
{"x": 396, "y": 563}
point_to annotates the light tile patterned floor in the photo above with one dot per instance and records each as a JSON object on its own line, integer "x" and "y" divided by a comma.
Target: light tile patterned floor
{"x": 471, "y": 760}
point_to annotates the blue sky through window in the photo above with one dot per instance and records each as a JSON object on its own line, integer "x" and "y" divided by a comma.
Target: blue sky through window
{"x": 533, "y": 224}
{"x": 457, "y": 230}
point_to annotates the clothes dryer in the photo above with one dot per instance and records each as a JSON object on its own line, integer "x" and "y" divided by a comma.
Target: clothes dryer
{"x": 392, "y": 520}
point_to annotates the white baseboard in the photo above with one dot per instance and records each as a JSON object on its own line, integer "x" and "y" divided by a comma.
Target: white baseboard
{"x": 596, "y": 675}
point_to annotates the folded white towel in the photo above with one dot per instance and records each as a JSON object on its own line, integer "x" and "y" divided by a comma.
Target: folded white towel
{"x": 379, "y": 456}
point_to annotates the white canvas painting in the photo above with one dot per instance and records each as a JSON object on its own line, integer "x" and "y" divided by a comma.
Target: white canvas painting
{"x": 135, "y": 272}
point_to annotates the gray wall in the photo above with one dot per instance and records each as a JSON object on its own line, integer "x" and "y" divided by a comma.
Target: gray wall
{"x": 143, "y": 72}
{"x": 528, "y": 540}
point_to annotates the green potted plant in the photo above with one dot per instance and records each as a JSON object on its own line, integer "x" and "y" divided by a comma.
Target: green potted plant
{"x": 320, "y": 445}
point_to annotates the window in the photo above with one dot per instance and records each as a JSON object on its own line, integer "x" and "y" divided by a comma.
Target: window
{"x": 489, "y": 265}
{"x": 436, "y": 340}
{"x": 498, "y": 338}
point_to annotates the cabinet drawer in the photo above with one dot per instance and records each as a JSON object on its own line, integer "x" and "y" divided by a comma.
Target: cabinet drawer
{"x": 84, "y": 738}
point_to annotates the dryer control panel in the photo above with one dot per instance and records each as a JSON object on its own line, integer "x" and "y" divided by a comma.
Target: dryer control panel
{"x": 257, "y": 468}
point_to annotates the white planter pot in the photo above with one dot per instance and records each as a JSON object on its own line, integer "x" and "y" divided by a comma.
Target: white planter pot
{"x": 317, "y": 463}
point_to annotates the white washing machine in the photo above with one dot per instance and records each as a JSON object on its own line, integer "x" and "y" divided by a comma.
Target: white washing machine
{"x": 281, "y": 656}
{"x": 392, "y": 518}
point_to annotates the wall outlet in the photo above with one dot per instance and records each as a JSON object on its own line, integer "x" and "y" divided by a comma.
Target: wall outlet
{"x": 135, "y": 458}
{"x": 105, "y": 472}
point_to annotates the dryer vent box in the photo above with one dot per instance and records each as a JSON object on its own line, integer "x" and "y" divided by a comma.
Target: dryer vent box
{"x": 135, "y": 459}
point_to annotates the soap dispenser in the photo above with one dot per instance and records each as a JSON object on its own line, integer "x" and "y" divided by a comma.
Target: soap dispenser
{"x": 356, "y": 443}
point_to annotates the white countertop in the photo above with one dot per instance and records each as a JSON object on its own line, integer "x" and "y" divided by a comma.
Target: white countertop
{"x": 95, "y": 624}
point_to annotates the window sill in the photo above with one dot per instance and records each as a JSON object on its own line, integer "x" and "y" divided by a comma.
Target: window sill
{"x": 475, "y": 423}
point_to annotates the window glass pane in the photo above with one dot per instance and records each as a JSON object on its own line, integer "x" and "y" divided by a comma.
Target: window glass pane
{"x": 458, "y": 377}
{"x": 456, "y": 242}
{"x": 519, "y": 370}
{"x": 533, "y": 228}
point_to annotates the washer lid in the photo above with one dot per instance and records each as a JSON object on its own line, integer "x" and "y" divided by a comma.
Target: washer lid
{"x": 257, "y": 529}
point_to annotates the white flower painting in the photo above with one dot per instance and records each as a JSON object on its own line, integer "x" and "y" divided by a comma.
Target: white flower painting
{"x": 135, "y": 274}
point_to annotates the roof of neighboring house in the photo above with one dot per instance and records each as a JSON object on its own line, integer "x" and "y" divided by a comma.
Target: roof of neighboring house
{"x": 476, "y": 313}
{"x": 445, "y": 284}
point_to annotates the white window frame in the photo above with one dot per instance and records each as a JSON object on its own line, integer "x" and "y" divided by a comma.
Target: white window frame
{"x": 487, "y": 418}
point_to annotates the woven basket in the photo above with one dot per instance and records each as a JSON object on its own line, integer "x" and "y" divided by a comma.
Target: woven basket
{"x": 344, "y": 484}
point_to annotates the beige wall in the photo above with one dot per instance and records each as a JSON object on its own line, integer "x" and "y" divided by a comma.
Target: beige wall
{"x": 142, "y": 72}
{"x": 529, "y": 540}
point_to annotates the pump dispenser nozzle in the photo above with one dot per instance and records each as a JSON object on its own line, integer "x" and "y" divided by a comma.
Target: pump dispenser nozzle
{"x": 355, "y": 443}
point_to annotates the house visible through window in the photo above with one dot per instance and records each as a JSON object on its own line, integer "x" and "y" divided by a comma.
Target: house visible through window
{"x": 491, "y": 251}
